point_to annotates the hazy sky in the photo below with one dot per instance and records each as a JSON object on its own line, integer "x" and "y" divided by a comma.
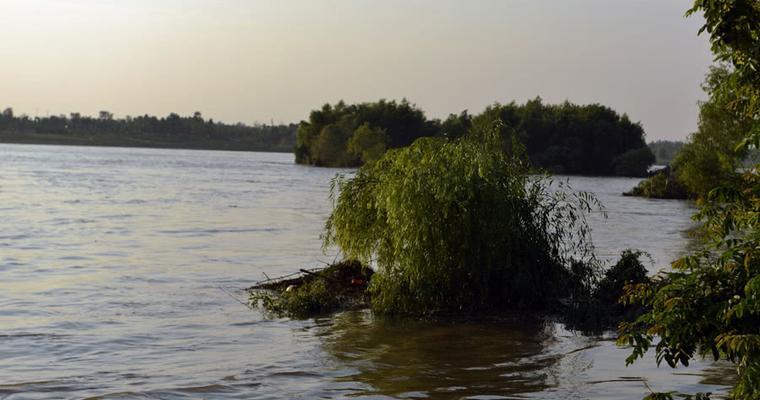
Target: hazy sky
{"x": 249, "y": 61}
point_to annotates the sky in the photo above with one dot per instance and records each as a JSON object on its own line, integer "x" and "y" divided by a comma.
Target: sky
{"x": 257, "y": 61}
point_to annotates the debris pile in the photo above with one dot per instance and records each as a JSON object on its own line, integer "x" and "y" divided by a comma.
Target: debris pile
{"x": 342, "y": 285}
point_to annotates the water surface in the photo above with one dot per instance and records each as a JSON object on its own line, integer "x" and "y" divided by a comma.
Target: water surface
{"x": 121, "y": 272}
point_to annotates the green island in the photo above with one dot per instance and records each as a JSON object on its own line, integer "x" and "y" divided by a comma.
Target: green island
{"x": 564, "y": 138}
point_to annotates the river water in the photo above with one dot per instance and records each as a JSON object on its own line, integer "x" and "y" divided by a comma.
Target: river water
{"x": 121, "y": 272}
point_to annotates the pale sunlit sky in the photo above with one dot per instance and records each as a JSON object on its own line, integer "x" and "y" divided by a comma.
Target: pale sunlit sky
{"x": 261, "y": 61}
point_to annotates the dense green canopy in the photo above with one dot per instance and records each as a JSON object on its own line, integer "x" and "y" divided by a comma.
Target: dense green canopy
{"x": 564, "y": 138}
{"x": 327, "y": 139}
{"x": 572, "y": 139}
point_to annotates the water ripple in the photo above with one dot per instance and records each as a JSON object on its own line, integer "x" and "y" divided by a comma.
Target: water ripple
{"x": 112, "y": 262}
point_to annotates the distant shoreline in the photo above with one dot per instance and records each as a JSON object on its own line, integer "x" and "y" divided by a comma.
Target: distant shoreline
{"x": 109, "y": 140}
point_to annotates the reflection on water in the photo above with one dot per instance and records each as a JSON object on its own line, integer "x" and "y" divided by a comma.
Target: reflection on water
{"x": 457, "y": 358}
{"x": 493, "y": 358}
{"x": 119, "y": 270}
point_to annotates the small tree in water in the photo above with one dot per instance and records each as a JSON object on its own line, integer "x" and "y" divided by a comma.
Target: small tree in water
{"x": 461, "y": 225}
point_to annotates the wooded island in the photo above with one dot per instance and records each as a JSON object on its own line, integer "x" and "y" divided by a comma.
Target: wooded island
{"x": 564, "y": 138}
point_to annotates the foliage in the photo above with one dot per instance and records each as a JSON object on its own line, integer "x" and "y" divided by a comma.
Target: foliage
{"x": 565, "y": 138}
{"x": 456, "y": 126}
{"x": 628, "y": 270}
{"x": 145, "y": 131}
{"x": 633, "y": 162}
{"x": 662, "y": 185}
{"x": 331, "y": 144}
{"x": 734, "y": 28}
{"x": 710, "y": 303}
{"x": 711, "y": 156}
{"x": 594, "y": 306}
{"x": 400, "y": 122}
{"x": 665, "y": 150}
{"x": 368, "y": 143}
{"x": 458, "y": 225}
{"x": 573, "y": 139}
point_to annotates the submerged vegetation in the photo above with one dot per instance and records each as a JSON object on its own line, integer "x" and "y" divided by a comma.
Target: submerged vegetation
{"x": 565, "y": 138}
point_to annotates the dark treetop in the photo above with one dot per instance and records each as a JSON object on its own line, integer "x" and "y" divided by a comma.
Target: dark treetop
{"x": 564, "y": 138}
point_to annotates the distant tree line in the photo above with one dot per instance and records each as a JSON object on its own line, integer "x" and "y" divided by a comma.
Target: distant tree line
{"x": 145, "y": 131}
{"x": 564, "y": 138}
{"x": 665, "y": 150}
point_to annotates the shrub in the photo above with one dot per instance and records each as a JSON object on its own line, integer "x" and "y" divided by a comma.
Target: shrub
{"x": 596, "y": 307}
{"x": 662, "y": 185}
{"x": 459, "y": 225}
{"x": 627, "y": 271}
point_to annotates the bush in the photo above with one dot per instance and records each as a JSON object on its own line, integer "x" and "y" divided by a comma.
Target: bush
{"x": 627, "y": 271}
{"x": 662, "y": 185}
{"x": 459, "y": 225}
{"x": 596, "y": 307}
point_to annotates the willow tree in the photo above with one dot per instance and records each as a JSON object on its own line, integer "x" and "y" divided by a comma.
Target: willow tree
{"x": 460, "y": 225}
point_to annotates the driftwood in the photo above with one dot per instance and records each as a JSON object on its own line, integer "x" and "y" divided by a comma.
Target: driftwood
{"x": 345, "y": 275}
